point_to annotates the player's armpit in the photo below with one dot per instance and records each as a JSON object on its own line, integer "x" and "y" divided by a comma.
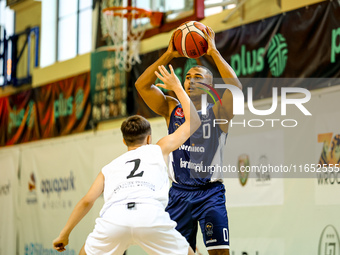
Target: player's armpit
{"x": 152, "y": 95}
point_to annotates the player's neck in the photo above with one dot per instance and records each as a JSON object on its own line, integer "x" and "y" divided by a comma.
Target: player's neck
{"x": 197, "y": 103}
{"x": 133, "y": 147}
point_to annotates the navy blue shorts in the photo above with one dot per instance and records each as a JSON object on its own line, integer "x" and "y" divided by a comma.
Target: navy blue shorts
{"x": 205, "y": 205}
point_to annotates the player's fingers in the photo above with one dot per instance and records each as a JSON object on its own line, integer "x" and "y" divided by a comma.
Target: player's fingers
{"x": 206, "y": 31}
{"x": 171, "y": 69}
{"x": 211, "y": 31}
{"x": 172, "y": 36}
{"x": 161, "y": 85}
{"x": 59, "y": 248}
{"x": 158, "y": 75}
{"x": 57, "y": 245}
{"x": 163, "y": 71}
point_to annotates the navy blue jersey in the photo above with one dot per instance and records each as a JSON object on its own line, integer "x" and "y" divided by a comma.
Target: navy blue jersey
{"x": 197, "y": 161}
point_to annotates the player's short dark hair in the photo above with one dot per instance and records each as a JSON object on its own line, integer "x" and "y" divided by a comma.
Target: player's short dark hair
{"x": 134, "y": 129}
{"x": 206, "y": 69}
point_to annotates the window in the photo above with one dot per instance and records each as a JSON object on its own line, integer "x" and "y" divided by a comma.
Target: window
{"x": 6, "y": 24}
{"x": 216, "y": 6}
{"x": 74, "y": 28}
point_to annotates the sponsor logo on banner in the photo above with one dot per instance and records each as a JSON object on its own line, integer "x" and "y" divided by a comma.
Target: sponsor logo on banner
{"x": 262, "y": 177}
{"x": 31, "y": 183}
{"x": 5, "y": 188}
{"x": 277, "y": 55}
{"x": 79, "y": 103}
{"x": 16, "y": 117}
{"x": 335, "y": 45}
{"x": 329, "y": 161}
{"x": 53, "y": 188}
{"x": 329, "y": 243}
{"x": 63, "y": 106}
{"x": 243, "y": 163}
{"x": 32, "y": 190}
{"x": 248, "y": 62}
{"x": 39, "y": 249}
{"x": 58, "y": 185}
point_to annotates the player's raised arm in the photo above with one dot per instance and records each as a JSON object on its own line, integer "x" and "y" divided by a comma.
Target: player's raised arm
{"x": 224, "y": 111}
{"x": 225, "y": 70}
{"x": 171, "y": 142}
{"x": 152, "y": 95}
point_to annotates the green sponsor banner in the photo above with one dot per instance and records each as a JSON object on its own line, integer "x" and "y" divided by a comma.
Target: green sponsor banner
{"x": 108, "y": 87}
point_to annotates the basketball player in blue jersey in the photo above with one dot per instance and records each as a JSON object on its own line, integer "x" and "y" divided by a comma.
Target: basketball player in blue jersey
{"x": 135, "y": 187}
{"x": 196, "y": 196}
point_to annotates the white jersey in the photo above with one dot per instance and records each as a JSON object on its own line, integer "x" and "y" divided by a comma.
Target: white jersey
{"x": 138, "y": 176}
{"x": 136, "y": 194}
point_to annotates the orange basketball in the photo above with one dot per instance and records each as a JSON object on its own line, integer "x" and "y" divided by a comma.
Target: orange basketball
{"x": 190, "y": 40}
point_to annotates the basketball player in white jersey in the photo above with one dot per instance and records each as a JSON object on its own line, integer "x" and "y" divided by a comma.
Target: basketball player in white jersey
{"x": 135, "y": 187}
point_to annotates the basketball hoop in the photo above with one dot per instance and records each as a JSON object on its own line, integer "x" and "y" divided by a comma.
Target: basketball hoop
{"x": 126, "y": 26}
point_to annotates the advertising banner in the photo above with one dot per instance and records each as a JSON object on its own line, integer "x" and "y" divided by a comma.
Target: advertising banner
{"x": 9, "y": 166}
{"x": 281, "y": 46}
{"x": 249, "y": 186}
{"x": 64, "y": 107}
{"x": 19, "y": 119}
{"x": 327, "y": 155}
{"x": 54, "y": 177}
{"x": 108, "y": 87}
{"x": 55, "y": 109}
{"x": 258, "y": 246}
{"x": 303, "y": 43}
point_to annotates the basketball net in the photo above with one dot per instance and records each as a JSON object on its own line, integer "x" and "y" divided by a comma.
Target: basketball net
{"x": 126, "y": 27}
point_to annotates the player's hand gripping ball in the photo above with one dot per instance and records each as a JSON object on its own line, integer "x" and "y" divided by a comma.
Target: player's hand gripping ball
{"x": 190, "y": 40}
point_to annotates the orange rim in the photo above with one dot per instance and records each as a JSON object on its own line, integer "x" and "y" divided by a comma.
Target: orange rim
{"x": 155, "y": 17}
{"x": 141, "y": 13}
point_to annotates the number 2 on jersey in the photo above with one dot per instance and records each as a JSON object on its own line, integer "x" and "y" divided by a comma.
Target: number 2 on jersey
{"x": 133, "y": 172}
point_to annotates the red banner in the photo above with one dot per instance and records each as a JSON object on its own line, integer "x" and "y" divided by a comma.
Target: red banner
{"x": 56, "y": 109}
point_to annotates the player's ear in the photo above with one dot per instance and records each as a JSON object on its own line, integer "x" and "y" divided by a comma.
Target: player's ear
{"x": 148, "y": 139}
{"x": 124, "y": 141}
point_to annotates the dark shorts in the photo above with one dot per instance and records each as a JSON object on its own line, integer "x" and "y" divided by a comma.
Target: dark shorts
{"x": 205, "y": 205}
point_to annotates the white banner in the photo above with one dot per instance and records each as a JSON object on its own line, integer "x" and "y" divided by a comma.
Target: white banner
{"x": 55, "y": 175}
{"x": 327, "y": 155}
{"x": 54, "y": 178}
{"x": 9, "y": 162}
{"x": 257, "y": 246}
{"x": 254, "y": 152}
